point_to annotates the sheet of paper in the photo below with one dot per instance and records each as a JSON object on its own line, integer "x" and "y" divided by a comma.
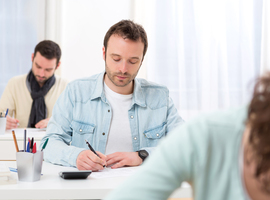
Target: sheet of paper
{"x": 109, "y": 173}
{"x": 4, "y": 170}
{"x": 36, "y": 129}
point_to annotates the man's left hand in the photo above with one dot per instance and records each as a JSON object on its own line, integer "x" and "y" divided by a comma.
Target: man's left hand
{"x": 120, "y": 159}
{"x": 42, "y": 123}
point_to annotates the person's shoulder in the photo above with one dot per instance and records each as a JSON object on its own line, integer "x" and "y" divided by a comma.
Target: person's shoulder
{"x": 82, "y": 89}
{"x": 228, "y": 117}
{"x": 222, "y": 122}
{"x": 84, "y": 82}
{"x": 17, "y": 80}
{"x": 214, "y": 130}
{"x": 149, "y": 86}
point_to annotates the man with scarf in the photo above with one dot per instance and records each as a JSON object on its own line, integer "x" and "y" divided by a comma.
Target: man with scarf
{"x": 30, "y": 97}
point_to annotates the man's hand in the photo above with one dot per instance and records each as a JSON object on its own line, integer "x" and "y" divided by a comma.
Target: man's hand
{"x": 87, "y": 160}
{"x": 120, "y": 159}
{"x": 42, "y": 123}
{"x": 11, "y": 123}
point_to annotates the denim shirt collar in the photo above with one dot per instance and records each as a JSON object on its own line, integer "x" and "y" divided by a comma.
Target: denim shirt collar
{"x": 138, "y": 95}
{"x": 99, "y": 91}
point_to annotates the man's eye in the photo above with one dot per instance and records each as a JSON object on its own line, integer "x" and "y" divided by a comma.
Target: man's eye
{"x": 116, "y": 60}
{"x": 133, "y": 61}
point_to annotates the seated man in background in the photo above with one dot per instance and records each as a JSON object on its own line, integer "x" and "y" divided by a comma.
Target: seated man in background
{"x": 121, "y": 116}
{"x": 224, "y": 156}
{"x": 30, "y": 97}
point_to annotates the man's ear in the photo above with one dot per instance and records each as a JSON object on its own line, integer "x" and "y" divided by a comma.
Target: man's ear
{"x": 32, "y": 57}
{"x": 59, "y": 63}
{"x": 104, "y": 53}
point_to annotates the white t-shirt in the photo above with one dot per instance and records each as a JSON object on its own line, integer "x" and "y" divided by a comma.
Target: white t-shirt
{"x": 119, "y": 137}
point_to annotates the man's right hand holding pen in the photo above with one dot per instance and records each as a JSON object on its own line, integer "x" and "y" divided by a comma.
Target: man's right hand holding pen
{"x": 88, "y": 160}
{"x": 11, "y": 123}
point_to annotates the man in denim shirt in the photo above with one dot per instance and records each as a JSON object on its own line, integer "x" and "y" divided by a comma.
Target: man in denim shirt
{"x": 122, "y": 117}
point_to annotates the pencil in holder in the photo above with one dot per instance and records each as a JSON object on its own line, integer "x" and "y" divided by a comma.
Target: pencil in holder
{"x": 29, "y": 165}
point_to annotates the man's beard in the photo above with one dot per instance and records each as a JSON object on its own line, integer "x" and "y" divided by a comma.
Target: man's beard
{"x": 41, "y": 81}
{"x": 125, "y": 82}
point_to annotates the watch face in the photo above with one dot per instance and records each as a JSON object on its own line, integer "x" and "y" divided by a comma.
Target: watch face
{"x": 144, "y": 153}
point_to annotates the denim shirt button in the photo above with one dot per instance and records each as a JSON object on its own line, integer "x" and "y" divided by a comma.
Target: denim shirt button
{"x": 80, "y": 130}
{"x": 131, "y": 116}
{"x": 135, "y": 138}
{"x": 157, "y": 134}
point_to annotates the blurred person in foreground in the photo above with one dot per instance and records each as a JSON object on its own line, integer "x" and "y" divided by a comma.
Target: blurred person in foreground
{"x": 224, "y": 156}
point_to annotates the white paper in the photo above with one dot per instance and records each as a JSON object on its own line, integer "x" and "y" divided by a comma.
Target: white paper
{"x": 4, "y": 170}
{"x": 109, "y": 173}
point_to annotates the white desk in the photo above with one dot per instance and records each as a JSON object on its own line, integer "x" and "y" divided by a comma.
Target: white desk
{"x": 51, "y": 186}
{"x": 7, "y": 146}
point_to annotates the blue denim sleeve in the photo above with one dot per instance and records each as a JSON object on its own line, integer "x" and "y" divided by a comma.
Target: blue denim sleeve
{"x": 58, "y": 150}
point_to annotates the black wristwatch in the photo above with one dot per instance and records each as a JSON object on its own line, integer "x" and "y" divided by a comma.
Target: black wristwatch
{"x": 143, "y": 154}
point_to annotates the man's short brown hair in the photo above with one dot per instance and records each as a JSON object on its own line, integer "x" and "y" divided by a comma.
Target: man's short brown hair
{"x": 127, "y": 29}
{"x": 49, "y": 50}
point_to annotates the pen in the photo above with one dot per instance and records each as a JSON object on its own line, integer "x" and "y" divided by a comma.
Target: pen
{"x": 15, "y": 140}
{"x": 32, "y": 145}
{"x": 6, "y": 113}
{"x": 91, "y": 148}
{"x": 35, "y": 148}
{"x": 13, "y": 169}
{"x": 28, "y": 146}
{"x": 45, "y": 144}
{"x": 24, "y": 141}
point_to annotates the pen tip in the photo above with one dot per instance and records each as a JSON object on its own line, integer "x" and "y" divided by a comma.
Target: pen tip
{"x": 86, "y": 140}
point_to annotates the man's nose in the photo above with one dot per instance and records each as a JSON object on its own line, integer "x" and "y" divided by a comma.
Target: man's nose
{"x": 41, "y": 73}
{"x": 123, "y": 67}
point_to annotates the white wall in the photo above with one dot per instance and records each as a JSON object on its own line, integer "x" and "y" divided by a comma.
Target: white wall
{"x": 84, "y": 25}
{"x": 265, "y": 59}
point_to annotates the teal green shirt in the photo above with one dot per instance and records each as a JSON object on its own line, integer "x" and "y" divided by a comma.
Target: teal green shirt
{"x": 204, "y": 152}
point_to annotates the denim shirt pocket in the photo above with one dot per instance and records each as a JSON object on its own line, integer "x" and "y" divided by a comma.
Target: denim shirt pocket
{"x": 82, "y": 131}
{"x": 154, "y": 135}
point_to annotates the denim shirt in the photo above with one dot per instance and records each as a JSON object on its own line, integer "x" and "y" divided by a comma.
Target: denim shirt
{"x": 83, "y": 112}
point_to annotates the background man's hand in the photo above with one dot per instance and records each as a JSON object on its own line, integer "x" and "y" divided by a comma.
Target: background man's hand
{"x": 42, "y": 123}
{"x": 120, "y": 159}
{"x": 87, "y": 160}
{"x": 11, "y": 123}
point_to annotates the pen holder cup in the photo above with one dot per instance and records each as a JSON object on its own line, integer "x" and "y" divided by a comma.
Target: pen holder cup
{"x": 29, "y": 165}
{"x": 3, "y": 121}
